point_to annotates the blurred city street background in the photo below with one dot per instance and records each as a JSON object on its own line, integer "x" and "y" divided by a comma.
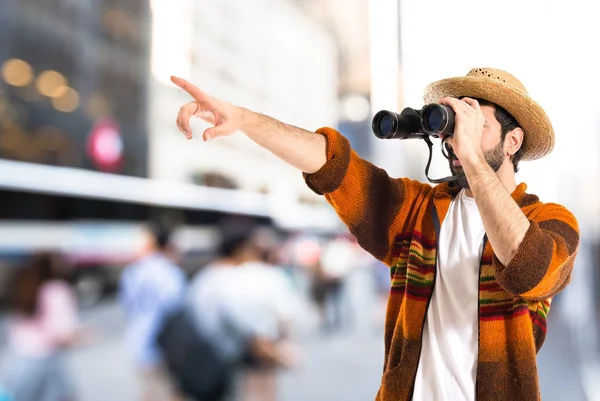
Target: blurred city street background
{"x": 89, "y": 152}
{"x": 342, "y": 366}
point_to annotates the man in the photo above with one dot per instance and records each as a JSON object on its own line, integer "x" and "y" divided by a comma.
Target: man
{"x": 474, "y": 266}
{"x": 150, "y": 288}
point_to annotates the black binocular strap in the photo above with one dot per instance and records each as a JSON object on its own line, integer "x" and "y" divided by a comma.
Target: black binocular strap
{"x": 438, "y": 180}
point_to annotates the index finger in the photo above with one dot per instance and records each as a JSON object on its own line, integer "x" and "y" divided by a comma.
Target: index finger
{"x": 453, "y": 102}
{"x": 471, "y": 102}
{"x": 192, "y": 89}
{"x": 448, "y": 101}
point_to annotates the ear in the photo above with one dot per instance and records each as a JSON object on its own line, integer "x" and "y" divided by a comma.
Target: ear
{"x": 513, "y": 141}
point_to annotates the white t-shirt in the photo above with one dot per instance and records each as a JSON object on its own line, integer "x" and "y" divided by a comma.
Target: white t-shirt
{"x": 448, "y": 364}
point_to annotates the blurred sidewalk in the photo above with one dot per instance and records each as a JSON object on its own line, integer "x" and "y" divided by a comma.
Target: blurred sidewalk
{"x": 558, "y": 364}
{"x": 336, "y": 367}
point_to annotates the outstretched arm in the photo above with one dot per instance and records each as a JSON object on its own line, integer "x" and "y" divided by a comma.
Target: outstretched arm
{"x": 302, "y": 149}
{"x": 374, "y": 206}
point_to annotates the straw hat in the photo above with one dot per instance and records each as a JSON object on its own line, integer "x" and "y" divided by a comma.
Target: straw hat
{"x": 505, "y": 90}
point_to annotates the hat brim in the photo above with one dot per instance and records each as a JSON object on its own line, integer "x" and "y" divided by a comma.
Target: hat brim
{"x": 538, "y": 139}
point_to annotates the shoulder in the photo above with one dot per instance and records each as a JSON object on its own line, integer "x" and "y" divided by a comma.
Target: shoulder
{"x": 446, "y": 189}
{"x": 57, "y": 291}
{"x": 549, "y": 214}
{"x": 531, "y": 204}
{"x": 211, "y": 275}
{"x": 57, "y": 287}
{"x": 161, "y": 267}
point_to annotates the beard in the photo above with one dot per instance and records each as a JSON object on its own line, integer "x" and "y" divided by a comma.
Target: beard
{"x": 494, "y": 159}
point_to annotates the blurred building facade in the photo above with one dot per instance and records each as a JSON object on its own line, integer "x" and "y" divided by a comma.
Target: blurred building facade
{"x": 268, "y": 56}
{"x": 73, "y": 88}
{"x": 351, "y": 29}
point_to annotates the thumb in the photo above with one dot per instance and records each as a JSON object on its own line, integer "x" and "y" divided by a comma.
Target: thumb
{"x": 217, "y": 130}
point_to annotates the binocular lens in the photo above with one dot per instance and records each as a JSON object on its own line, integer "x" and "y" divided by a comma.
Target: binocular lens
{"x": 434, "y": 119}
{"x": 411, "y": 123}
{"x": 437, "y": 119}
{"x": 385, "y": 124}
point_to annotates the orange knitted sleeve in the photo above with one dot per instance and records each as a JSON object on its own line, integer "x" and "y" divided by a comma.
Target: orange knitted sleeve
{"x": 373, "y": 205}
{"x": 543, "y": 264}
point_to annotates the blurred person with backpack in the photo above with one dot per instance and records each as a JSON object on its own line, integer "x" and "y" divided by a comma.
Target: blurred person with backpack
{"x": 237, "y": 307}
{"x": 150, "y": 288}
{"x": 200, "y": 367}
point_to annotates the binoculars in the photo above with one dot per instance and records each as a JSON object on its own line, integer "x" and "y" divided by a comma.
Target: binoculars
{"x": 433, "y": 119}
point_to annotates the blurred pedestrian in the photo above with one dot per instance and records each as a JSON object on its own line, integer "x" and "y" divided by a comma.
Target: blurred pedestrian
{"x": 150, "y": 288}
{"x": 246, "y": 307}
{"x": 340, "y": 257}
{"x": 43, "y": 323}
{"x": 272, "y": 290}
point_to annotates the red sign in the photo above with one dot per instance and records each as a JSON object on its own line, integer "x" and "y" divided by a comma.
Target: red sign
{"x": 105, "y": 146}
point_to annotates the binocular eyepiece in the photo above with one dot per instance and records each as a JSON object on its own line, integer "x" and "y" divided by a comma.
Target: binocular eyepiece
{"x": 433, "y": 119}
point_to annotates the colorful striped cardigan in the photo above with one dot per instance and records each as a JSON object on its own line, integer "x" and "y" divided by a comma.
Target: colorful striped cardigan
{"x": 396, "y": 221}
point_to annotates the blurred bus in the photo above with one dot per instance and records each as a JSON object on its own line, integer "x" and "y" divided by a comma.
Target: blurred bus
{"x": 94, "y": 219}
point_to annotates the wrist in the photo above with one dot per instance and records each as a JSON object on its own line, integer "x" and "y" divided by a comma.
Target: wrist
{"x": 474, "y": 159}
{"x": 247, "y": 118}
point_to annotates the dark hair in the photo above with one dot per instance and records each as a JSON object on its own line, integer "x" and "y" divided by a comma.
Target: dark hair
{"x": 161, "y": 234}
{"x": 28, "y": 279}
{"x": 507, "y": 124}
{"x": 233, "y": 241}
{"x": 236, "y": 234}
